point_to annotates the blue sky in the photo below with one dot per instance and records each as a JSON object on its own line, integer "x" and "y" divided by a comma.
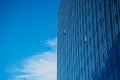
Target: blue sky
{"x": 27, "y": 28}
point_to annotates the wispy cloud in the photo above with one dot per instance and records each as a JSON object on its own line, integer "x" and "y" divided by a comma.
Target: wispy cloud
{"x": 52, "y": 42}
{"x": 42, "y": 66}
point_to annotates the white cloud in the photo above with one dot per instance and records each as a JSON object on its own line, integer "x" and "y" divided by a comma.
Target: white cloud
{"x": 52, "y": 42}
{"x": 42, "y": 66}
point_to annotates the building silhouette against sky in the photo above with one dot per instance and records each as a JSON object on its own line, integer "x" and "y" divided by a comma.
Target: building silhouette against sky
{"x": 88, "y": 40}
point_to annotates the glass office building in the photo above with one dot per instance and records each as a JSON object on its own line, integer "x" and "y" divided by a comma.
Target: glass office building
{"x": 88, "y": 40}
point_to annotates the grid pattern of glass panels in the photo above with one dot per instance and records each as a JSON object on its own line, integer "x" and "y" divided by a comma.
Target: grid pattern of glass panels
{"x": 88, "y": 40}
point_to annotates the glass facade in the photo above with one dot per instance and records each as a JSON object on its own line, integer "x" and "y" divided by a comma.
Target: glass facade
{"x": 88, "y": 40}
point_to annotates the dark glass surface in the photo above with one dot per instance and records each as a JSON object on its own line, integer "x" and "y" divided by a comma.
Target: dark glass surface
{"x": 88, "y": 40}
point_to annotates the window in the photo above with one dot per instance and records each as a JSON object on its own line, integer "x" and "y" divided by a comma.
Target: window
{"x": 85, "y": 39}
{"x": 116, "y": 18}
{"x": 90, "y": 41}
{"x": 102, "y": 39}
{"x": 64, "y": 31}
